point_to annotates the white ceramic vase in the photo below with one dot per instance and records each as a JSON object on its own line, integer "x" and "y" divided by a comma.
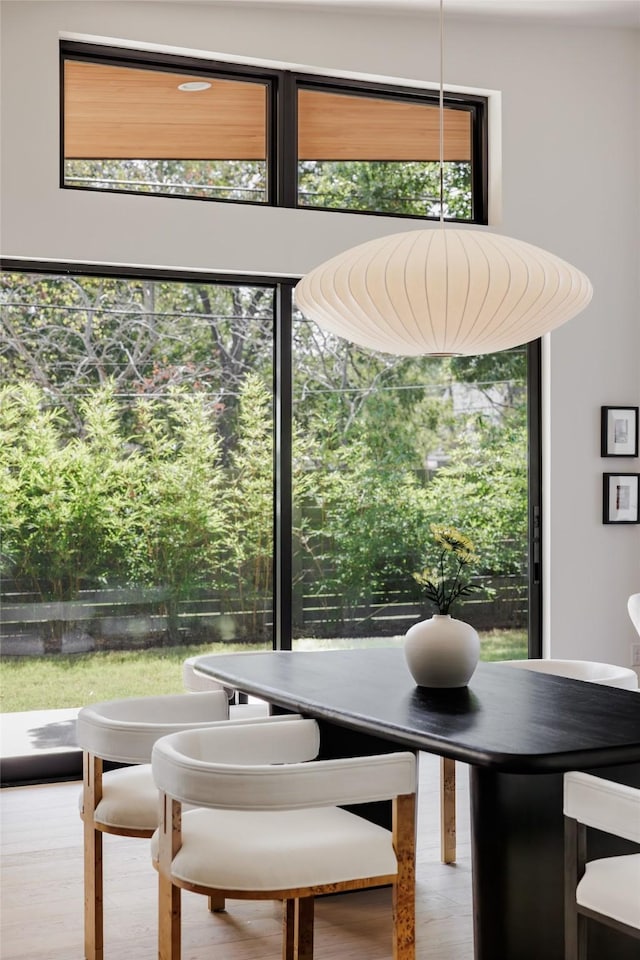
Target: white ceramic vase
{"x": 441, "y": 652}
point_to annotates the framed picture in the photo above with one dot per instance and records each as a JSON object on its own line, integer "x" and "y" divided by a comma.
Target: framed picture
{"x": 620, "y": 498}
{"x": 619, "y": 432}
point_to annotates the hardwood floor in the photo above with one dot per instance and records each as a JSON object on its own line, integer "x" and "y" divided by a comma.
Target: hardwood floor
{"x": 41, "y": 889}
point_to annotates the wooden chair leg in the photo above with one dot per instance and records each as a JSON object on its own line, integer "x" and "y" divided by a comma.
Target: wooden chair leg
{"x": 93, "y": 884}
{"x": 93, "y": 907}
{"x": 288, "y": 929}
{"x": 169, "y": 915}
{"x": 404, "y": 889}
{"x": 169, "y": 905}
{"x": 447, "y": 810}
{"x": 216, "y": 903}
{"x": 304, "y": 929}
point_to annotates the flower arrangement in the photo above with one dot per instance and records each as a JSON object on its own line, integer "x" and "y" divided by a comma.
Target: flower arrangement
{"x": 446, "y": 581}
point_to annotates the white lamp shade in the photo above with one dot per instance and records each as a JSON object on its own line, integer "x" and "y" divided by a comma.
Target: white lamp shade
{"x": 442, "y": 291}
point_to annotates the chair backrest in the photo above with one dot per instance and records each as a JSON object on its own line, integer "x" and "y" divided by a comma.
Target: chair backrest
{"x": 242, "y": 743}
{"x": 259, "y": 767}
{"x": 603, "y": 804}
{"x": 125, "y": 730}
{"x": 609, "y": 674}
{"x": 195, "y": 680}
{"x": 633, "y": 606}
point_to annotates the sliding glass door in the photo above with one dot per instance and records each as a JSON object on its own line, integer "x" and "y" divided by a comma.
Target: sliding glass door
{"x": 384, "y": 447}
{"x": 187, "y": 464}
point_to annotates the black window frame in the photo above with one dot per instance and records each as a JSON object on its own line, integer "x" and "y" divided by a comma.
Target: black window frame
{"x": 39, "y": 768}
{"x": 169, "y": 63}
{"x": 475, "y": 105}
{"x": 283, "y": 288}
{"x": 281, "y": 122}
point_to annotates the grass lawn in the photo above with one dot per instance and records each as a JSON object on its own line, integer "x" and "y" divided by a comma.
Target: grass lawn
{"x": 56, "y": 681}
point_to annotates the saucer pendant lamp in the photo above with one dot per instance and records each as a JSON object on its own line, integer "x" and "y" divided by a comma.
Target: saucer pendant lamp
{"x": 442, "y": 291}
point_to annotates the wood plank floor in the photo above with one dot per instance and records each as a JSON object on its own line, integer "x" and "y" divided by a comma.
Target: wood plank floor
{"x": 41, "y": 890}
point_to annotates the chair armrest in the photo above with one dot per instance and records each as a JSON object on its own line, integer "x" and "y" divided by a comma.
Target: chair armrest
{"x": 603, "y": 804}
{"x": 195, "y": 680}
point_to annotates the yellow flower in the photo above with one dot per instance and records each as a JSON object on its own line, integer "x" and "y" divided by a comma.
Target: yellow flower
{"x": 427, "y": 576}
{"x": 445, "y": 583}
{"x": 449, "y": 538}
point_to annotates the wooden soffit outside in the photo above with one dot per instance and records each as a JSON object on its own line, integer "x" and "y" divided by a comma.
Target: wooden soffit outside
{"x": 129, "y": 113}
{"x": 336, "y": 126}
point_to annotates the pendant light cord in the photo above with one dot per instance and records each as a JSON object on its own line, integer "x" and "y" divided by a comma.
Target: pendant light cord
{"x": 441, "y": 112}
{"x": 424, "y": 293}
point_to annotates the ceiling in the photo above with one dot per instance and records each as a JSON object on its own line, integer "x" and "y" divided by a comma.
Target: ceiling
{"x": 603, "y": 13}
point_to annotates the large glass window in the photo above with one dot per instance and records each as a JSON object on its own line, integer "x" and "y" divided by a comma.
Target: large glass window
{"x": 153, "y": 131}
{"x": 382, "y": 154}
{"x": 138, "y": 476}
{"x": 136, "y": 465}
{"x": 179, "y": 126}
{"x": 389, "y": 446}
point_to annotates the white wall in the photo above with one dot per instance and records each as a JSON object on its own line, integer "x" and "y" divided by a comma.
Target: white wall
{"x": 571, "y": 184}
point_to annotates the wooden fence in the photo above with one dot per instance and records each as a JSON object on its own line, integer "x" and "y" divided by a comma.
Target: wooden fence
{"x": 126, "y": 618}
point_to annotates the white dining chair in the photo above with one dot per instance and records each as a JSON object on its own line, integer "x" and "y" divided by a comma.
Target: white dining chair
{"x": 269, "y": 824}
{"x": 196, "y": 680}
{"x": 592, "y": 671}
{"x": 609, "y": 674}
{"x": 124, "y": 801}
{"x": 606, "y": 890}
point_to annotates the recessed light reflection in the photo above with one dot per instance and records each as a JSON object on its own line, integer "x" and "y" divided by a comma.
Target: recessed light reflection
{"x": 194, "y": 85}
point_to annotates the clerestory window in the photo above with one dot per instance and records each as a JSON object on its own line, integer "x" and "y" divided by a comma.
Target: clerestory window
{"x": 183, "y": 127}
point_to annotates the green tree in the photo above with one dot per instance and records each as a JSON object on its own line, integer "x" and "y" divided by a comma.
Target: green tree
{"x": 178, "y": 516}
{"x": 500, "y": 377}
{"x": 66, "y": 497}
{"x": 249, "y": 531}
{"x": 387, "y": 187}
{"x": 483, "y": 492}
{"x": 70, "y": 334}
{"x": 371, "y": 433}
{"x": 344, "y": 393}
{"x": 374, "y": 514}
{"x": 219, "y": 179}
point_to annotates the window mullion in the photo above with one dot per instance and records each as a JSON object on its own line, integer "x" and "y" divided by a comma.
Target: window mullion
{"x": 534, "y": 431}
{"x": 283, "y": 511}
{"x": 285, "y": 129}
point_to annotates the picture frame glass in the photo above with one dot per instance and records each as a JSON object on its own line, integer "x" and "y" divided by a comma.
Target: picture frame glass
{"x": 622, "y": 498}
{"x": 620, "y": 431}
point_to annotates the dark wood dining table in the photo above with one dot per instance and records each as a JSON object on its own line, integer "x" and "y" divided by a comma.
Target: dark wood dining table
{"x": 518, "y": 730}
